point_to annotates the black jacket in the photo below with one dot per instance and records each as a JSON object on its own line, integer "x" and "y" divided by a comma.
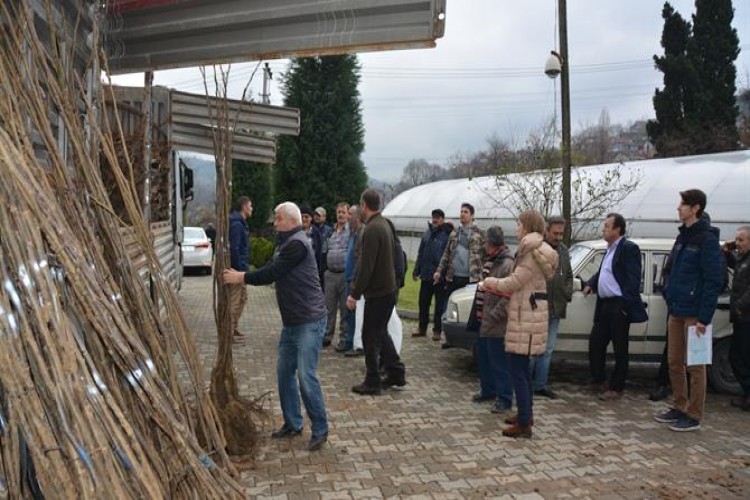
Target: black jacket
{"x": 627, "y": 269}
{"x": 739, "y": 302}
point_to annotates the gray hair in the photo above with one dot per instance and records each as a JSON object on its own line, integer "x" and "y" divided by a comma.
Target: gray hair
{"x": 289, "y": 210}
{"x": 744, "y": 229}
{"x": 495, "y": 236}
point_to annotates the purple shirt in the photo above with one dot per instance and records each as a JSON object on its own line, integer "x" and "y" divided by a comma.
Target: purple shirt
{"x": 608, "y": 286}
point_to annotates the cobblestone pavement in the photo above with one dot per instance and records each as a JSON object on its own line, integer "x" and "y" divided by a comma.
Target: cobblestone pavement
{"x": 431, "y": 441}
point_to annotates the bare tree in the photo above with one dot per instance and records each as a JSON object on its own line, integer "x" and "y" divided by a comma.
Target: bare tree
{"x": 535, "y": 182}
{"x": 419, "y": 171}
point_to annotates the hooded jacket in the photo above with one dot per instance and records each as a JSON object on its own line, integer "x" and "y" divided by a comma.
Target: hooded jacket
{"x": 695, "y": 277}
{"x": 535, "y": 263}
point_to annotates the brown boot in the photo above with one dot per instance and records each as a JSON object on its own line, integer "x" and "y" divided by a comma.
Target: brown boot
{"x": 436, "y": 336}
{"x": 518, "y": 431}
{"x": 514, "y": 420}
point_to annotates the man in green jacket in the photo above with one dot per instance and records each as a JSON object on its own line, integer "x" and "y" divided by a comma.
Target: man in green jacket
{"x": 375, "y": 278}
{"x": 559, "y": 293}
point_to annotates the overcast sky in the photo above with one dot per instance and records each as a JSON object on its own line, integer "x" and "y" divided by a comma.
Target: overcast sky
{"x": 486, "y": 76}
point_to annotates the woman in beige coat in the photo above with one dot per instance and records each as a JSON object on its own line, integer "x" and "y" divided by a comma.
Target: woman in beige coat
{"x": 526, "y": 335}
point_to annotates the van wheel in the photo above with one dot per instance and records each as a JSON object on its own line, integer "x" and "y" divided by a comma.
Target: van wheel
{"x": 720, "y": 372}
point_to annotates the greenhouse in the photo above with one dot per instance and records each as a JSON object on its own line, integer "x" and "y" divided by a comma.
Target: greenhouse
{"x": 650, "y": 208}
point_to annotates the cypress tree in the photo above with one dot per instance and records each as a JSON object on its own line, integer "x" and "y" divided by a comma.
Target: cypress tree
{"x": 672, "y": 130}
{"x": 322, "y": 166}
{"x": 713, "y": 50}
{"x": 696, "y": 112}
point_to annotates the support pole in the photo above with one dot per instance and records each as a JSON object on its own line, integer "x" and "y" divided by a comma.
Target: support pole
{"x": 565, "y": 108}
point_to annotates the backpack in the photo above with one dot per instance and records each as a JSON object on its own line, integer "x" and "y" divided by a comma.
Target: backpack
{"x": 400, "y": 263}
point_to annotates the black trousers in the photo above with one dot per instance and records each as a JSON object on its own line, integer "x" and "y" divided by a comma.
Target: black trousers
{"x": 662, "y": 378}
{"x": 739, "y": 355}
{"x": 612, "y": 325}
{"x": 427, "y": 290}
{"x": 379, "y": 348}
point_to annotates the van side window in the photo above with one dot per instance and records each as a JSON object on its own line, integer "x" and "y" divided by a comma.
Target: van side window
{"x": 658, "y": 261}
{"x": 591, "y": 267}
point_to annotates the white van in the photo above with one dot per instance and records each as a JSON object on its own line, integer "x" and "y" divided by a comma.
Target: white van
{"x": 646, "y": 339}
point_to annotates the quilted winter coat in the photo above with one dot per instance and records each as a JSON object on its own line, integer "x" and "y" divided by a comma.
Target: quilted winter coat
{"x": 536, "y": 262}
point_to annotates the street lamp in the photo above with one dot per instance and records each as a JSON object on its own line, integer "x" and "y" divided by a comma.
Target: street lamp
{"x": 557, "y": 64}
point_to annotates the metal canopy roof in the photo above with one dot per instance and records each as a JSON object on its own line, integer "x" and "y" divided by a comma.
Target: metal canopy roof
{"x": 190, "y": 125}
{"x": 191, "y": 128}
{"x": 158, "y": 34}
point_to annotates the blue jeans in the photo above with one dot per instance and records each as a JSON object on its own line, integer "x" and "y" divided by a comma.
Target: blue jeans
{"x": 521, "y": 376}
{"x": 299, "y": 350}
{"x": 494, "y": 378}
{"x": 540, "y": 364}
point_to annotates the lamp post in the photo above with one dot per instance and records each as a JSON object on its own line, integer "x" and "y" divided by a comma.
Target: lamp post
{"x": 558, "y": 64}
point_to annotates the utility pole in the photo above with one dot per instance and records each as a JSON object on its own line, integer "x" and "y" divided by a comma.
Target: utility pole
{"x": 565, "y": 108}
{"x": 267, "y": 75}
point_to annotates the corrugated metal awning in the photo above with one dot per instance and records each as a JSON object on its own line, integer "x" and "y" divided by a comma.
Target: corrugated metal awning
{"x": 150, "y": 35}
{"x": 191, "y": 126}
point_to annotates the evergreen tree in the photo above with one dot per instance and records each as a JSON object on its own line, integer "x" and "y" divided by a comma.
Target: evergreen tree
{"x": 696, "y": 111}
{"x": 254, "y": 180}
{"x": 713, "y": 49}
{"x": 671, "y": 133}
{"x": 322, "y": 166}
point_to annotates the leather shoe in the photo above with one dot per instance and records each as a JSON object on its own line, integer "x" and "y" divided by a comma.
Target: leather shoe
{"x": 285, "y": 432}
{"x": 342, "y": 348}
{"x": 518, "y": 431}
{"x": 366, "y": 390}
{"x": 317, "y": 442}
{"x": 436, "y": 336}
{"x": 480, "y": 398}
{"x": 354, "y": 353}
{"x": 389, "y": 382}
{"x": 660, "y": 393}
{"x": 546, "y": 392}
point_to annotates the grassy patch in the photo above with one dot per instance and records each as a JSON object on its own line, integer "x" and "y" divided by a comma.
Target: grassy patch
{"x": 408, "y": 297}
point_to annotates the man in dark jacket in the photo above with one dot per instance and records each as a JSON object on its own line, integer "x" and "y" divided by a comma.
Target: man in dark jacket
{"x": 492, "y": 312}
{"x": 375, "y": 278}
{"x": 738, "y": 258}
{"x": 303, "y": 317}
{"x": 239, "y": 251}
{"x": 618, "y": 303}
{"x": 430, "y": 252}
{"x": 692, "y": 291}
{"x": 559, "y": 293}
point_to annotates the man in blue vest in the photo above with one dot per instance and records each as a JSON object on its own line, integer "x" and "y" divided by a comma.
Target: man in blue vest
{"x": 303, "y": 317}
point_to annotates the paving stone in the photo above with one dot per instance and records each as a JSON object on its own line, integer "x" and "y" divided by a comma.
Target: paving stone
{"x": 431, "y": 441}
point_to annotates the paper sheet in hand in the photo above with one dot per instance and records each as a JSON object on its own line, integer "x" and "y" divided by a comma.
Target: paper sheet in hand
{"x": 699, "y": 348}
